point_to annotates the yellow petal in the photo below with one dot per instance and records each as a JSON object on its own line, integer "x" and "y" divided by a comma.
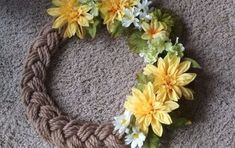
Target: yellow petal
{"x": 145, "y": 36}
{"x": 171, "y": 105}
{"x": 173, "y": 65}
{"x": 185, "y": 79}
{"x": 138, "y": 94}
{"x": 161, "y": 65}
{"x": 163, "y": 117}
{"x": 82, "y": 21}
{"x": 173, "y": 95}
{"x": 149, "y": 91}
{"x": 59, "y": 22}
{"x": 157, "y": 127}
{"x": 145, "y": 26}
{"x": 71, "y": 29}
{"x": 148, "y": 120}
{"x": 80, "y": 32}
{"x": 54, "y": 11}
{"x": 183, "y": 67}
{"x": 161, "y": 94}
{"x": 187, "y": 93}
{"x": 59, "y": 2}
{"x": 140, "y": 122}
{"x": 177, "y": 90}
{"x": 150, "y": 69}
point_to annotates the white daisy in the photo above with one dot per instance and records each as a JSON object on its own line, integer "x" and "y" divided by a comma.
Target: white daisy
{"x": 136, "y": 138}
{"x": 130, "y": 17}
{"x": 143, "y": 8}
{"x": 122, "y": 122}
{"x": 144, "y": 5}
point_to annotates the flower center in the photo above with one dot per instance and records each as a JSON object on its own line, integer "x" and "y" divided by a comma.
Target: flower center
{"x": 153, "y": 31}
{"x": 124, "y": 122}
{"x": 169, "y": 81}
{"x": 135, "y": 136}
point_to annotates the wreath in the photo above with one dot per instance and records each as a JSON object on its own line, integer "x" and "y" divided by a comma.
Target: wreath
{"x": 153, "y": 105}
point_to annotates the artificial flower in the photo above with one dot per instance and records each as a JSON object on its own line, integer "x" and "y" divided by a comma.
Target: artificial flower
{"x": 136, "y": 138}
{"x": 122, "y": 122}
{"x": 113, "y": 10}
{"x": 143, "y": 7}
{"x": 72, "y": 14}
{"x": 177, "y": 48}
{"x": 150, "y": 56}
{"x": 153, "y": 30}
{"x": 170, "y": 78}
{"x": 130, "y": 17}
{"x": 94, "y": 6}
{"x": 149, "y": 109}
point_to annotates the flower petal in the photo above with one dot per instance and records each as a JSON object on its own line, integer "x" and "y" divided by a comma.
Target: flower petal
{"x": 173, "y": 65}
{"x": 163, "y": 117}
{"x": 171, "y": 105}
{"x": 59, "y": 22}
{"x": 185, "y": 79}
{"x": 150, "y": 69}
{"x": 157, "y": 127}
{"x": 161, "y": 94}
{"x": 173, "y": 95}
{"x": 187, "y": 93}
{"x": 150, "y": 92}
{"x": 58, "y": 2}
{"x": 138, "y": 94}
{"x": 145, "y": 26}
{"x": 71, "y": 30}
{"x": 183, "y": 67}
{"x": 54, "y": 11}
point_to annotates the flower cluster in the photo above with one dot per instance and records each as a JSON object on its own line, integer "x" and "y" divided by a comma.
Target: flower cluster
{"x": 164, "y": 79}
{"x": 148, "y": 107}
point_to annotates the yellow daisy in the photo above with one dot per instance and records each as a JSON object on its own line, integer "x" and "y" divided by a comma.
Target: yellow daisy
{"x": 72, "y": 14}
{"x": 153, "y": 30}
{"x": 112, "y": 10}
{"x": 170, "y": 78}
{"x": 148, "y": 110}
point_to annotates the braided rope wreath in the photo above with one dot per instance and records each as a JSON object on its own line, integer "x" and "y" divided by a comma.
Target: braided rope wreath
{"x": 154, "y": 99}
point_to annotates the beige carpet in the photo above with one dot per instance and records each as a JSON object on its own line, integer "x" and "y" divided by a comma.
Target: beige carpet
{"x": 90, "y": 78}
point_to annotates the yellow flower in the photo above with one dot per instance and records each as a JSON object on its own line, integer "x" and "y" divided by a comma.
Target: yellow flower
{"x": 71, "y": 14}
{"x": 148, "y": 110}
{"x": 153, "y": 30}
{"x": 170, "y": 78}
{"x": 112, "y": 10}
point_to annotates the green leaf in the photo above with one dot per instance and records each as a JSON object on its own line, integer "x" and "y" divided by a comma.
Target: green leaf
{"x": 117, "y": 29}
{"x": 194, "y": 63}
{"x": 92, "y": 29}
{"x": 165, "y": 17}
{"x": 136, "y": 43}
{"x": 141, "y": 78}
{"x": 152, "y": 140}
{"x": 179, "y": 122}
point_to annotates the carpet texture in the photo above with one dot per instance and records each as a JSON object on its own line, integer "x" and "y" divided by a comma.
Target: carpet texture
{"x": 89, "y": 79}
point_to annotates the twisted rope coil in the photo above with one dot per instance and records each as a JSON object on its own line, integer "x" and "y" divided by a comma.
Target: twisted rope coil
{"x": 53, "y": 125}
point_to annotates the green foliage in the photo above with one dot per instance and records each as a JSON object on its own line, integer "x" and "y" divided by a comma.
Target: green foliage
{"x": 164, "y": 17}
{"x": 116, "y": 29}
{"x": 143, "y": 80}
{"x": 179, "y": 122}
{"x": 177, "y": 48}
{"x": 194, "y": 64}
{"x": 152, "y": 140}
{"x": 136, "y": 43}
{"x": 92, "y": 29}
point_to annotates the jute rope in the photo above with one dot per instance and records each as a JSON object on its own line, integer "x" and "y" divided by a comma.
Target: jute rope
{"x": 53, "y": 125}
